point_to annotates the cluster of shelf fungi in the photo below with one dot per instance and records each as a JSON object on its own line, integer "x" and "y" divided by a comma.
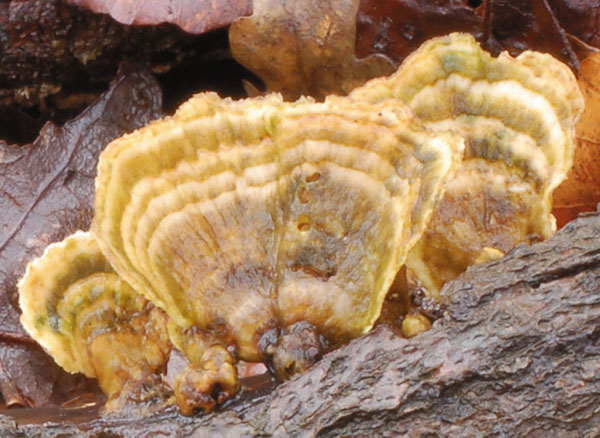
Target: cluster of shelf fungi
{"x": 515, "y": 352}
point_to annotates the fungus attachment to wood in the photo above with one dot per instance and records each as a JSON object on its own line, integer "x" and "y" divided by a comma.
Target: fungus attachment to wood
{"x": 239, "y": 217}
{"x": 517, "y": 116}
{"x": 272, "y": 231}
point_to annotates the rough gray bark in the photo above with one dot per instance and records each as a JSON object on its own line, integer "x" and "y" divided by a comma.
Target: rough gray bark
{"x": 517, "y": 353}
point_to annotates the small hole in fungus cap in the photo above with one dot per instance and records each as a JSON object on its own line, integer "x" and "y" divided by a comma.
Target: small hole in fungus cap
{"x": 304, "y": 226}
{"x": 474, "y": 3}
{"x": 314, "y": 177}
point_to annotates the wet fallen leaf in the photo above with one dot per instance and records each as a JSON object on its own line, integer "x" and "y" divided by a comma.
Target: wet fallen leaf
{"x": 397, "y": 27}
{"x": 580, "y": 18}
{"x": 193, "y": 16}
{"x": 301, "y": 48}
{"x": 46, "y": 193}
{"x": 581, "y": 191}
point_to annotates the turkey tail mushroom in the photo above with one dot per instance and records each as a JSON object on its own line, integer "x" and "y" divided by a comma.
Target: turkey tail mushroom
{"x": 227, "y": 202}
{"x": 240, "y": 218}
{"x": 517, "y": 116}
{"x": 92, "y": 322}
{"x": 272, "y": 231}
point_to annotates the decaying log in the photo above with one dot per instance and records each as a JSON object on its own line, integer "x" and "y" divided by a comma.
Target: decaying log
{"x": 517, "y": 353}
{"x": 56, "y": 59}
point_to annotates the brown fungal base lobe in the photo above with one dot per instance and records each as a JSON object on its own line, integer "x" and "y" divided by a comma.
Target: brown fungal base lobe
{"x": 292, "y": 350}
{"x": 208, "y": 383}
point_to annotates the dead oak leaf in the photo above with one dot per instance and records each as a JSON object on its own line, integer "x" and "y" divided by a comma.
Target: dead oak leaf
{"x": 193, "y": 16}
{"x": 581, "y": 191}
{"x": 304, "y": 48}
{"x": 46, "y": 193}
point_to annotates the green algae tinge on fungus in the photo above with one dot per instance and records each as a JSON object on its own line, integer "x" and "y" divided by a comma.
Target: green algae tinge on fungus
{"x": 272, "y": 231}
{"x": 239, "y": 218}
{"x": 90, "y": 321}
{"x": 517, "y": 116}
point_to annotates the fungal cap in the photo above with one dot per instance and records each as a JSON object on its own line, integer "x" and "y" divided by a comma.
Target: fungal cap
{"x": 517, "y": 116}
{"x": 69, "y": 295}
{"x": 234, "y": 216}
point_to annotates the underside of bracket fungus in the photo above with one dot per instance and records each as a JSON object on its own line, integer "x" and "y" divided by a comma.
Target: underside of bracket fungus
{"x": 92, "y": 322}
{"x": 517, "y": 116}
{"x": 271, "y": 228}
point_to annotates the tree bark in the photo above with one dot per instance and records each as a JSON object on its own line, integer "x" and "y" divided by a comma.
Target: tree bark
{"x": 517, "y": 353}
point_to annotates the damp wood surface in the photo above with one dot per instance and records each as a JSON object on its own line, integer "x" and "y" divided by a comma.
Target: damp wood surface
{"x": 517, "y": 353}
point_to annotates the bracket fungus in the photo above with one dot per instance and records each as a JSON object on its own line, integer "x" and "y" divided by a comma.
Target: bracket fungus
{"x": 272, "y": 231}
{"x": 241, "y": 219}
{"x": 92, "y": 322}
{"x": 517, "y": 116}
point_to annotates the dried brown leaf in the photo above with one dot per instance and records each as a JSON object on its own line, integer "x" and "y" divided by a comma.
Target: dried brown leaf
{"x": 580, "y": 18}
{"x": 581, "y": 191}
{"x": 304, "y": 47}
{"x": 46, "y": 193}
{"x": 398, "y": 27}
{"x": 193, "y": 16}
